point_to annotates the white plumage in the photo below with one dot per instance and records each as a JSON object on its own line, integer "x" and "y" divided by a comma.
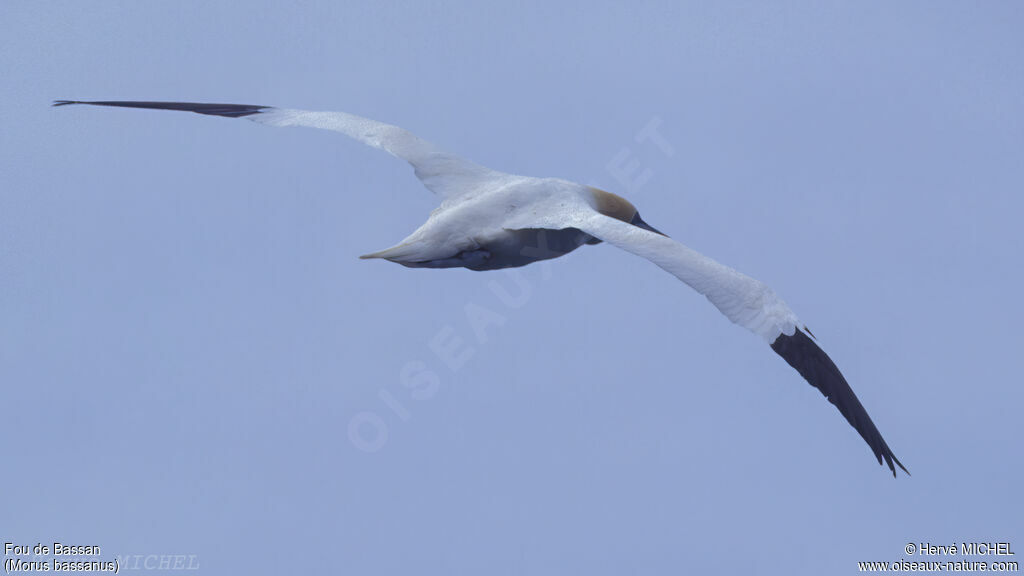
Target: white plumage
{"x": 488, "y": 220}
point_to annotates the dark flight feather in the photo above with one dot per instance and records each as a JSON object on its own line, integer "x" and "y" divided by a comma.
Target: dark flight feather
{"x": 227, "y": 110}
{"x": 802, "y": 353}
{"x": 799, "y": 350}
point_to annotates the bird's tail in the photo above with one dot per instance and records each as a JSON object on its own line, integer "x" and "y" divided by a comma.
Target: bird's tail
{"x": 404, "y": 252}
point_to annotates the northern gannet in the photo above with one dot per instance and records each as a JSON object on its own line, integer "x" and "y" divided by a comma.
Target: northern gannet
{"x": 489, "y": 220}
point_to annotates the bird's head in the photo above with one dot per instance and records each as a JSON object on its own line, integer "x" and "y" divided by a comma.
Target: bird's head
{"x": 619, "y": 208}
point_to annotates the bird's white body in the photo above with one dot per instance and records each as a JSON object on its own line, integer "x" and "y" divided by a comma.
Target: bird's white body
{"x": 488, "y": 220}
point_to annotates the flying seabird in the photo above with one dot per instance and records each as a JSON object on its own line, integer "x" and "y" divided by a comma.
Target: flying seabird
{"x": 489, "y": 220}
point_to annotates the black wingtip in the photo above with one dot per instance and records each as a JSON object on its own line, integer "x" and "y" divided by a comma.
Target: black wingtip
{"x": 900, "y": 464}
{"x": 226, "y": 110}
{"x": 803, "y": 354}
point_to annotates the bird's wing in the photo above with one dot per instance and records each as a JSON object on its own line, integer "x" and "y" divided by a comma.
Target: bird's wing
{"x": 445, "y": 174}
{"x": 750, "y": 304}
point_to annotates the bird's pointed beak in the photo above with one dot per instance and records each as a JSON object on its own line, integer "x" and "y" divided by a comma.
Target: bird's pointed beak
{"x": 639, "y": 223}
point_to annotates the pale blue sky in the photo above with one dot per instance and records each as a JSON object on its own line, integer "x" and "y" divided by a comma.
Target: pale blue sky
{"x": 187, "y": 333}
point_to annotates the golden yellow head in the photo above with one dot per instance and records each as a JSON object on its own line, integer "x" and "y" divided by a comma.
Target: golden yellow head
{"x": 613, "y": 205}
{"x": 617, "y": 207}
